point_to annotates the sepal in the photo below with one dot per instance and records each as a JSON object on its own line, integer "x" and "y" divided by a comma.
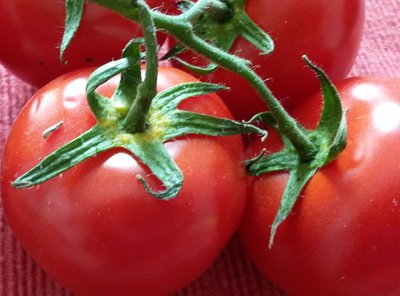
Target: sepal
{"x": 73, "y": 17}
{"x": 157, "y": 159}
{"x": 87, "y": 145}
{"x": 329, "y": 138}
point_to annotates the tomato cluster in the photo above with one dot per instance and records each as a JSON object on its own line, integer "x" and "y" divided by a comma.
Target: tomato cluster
{"x": 98, "y": 231}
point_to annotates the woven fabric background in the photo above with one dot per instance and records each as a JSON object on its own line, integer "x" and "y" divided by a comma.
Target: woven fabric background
{"x": 232, "y": 273}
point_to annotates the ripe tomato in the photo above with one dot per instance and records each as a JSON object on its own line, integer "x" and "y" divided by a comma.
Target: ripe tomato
{"x": 94, "y": 228}
{"x": 33, "y": 32}
{"x": 342, "y": 237}
{"x": 328, "y": 32}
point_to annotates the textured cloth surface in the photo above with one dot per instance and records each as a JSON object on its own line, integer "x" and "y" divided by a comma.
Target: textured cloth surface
{"x": 232, "y": 273}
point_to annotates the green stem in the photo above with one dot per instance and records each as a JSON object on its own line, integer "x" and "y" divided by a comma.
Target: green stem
{"x": 286, "y": 123}
{"x": 219, "y": 9}
{"x": 182, "y": 30}
{"x": 135, "y": 120}
{"x": 195, "y": 11}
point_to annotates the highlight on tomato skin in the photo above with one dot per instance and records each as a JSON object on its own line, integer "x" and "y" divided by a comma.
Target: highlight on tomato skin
{"x": 342, "y": 236}
{"x": 328, "y": 32}
{"x": 33, "y": 30}
{"x": 94, "y": 228}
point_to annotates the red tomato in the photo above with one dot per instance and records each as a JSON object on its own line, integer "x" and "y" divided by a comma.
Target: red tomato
{"x": 94, "y": 228}
{"x": 328, "y": 32}
{"x": 342, "y": 238}
{"x": 33, "y": 32}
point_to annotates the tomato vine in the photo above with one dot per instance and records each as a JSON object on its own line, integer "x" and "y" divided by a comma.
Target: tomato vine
{"x": 150, "y": 119}
{"x": 313, "y": 149}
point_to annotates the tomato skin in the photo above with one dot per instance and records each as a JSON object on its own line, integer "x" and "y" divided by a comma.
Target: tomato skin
{"x": 342, "y": 237}
{"x": 328, "y": 32}
{"x": 33, "y": 30}
{"x": 94, "y": 228}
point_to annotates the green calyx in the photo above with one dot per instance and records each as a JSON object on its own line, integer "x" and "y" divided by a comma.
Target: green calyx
{"x": 329, "y": 138}
{"x": 137, "y": 119}
{"x": 164, "y": 122}
{"x": 221, "y": 23}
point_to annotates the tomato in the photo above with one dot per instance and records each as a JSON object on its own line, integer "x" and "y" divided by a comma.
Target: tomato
{"x": 32, "y": 32}
{"x": 94, "y": 228}
{"x": 328, "y": 32}
{"x": 342, "y": 237}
